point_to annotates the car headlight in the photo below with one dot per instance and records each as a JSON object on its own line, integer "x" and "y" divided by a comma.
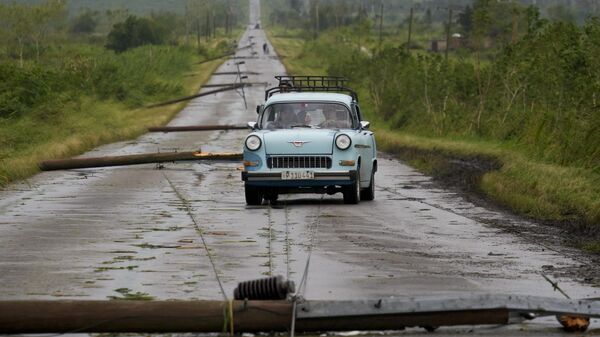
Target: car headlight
{"x": 253, "y": 143}
{"x": 343, "y": 142}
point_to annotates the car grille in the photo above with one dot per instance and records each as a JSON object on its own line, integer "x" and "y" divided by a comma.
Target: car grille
{"x": 299, "y": 162}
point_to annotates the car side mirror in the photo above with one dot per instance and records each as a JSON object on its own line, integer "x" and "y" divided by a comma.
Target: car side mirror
{"x": 259, "y": 108}
{"x": 252, "y": 125}
{"x": 365, "y": 125}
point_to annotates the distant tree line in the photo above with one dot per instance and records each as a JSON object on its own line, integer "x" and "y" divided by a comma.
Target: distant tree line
{"x": 26, "y": 30}
{"x": 49, "y": 59}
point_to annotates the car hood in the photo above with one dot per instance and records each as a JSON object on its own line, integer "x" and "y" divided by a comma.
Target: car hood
{"x": 299, "y": 141}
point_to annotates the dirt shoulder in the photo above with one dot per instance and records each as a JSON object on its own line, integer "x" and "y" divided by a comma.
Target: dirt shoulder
{"x": 470, "y": 172}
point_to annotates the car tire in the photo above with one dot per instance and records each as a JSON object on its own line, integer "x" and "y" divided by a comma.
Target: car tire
{"x": 352, "y": 192}
{"x": 254, "y": 196}
{"x": 369, "y": 192}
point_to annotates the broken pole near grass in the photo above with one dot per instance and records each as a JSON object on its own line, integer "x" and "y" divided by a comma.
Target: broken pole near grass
{"x": 135, "y": 159}
{"x": 196, "y": 128}
{"x": 247, "y": 46}
{"x": 215, "y": 58}
{"x": 187, "y": 98}
{"x": 140, "y": 316}
{"x": 219, "y": 85}
{"x": 236, "y": 73}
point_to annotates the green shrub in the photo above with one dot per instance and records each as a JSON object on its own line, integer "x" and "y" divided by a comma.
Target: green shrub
{"x": 24, "y": 88}
{"x": 540, "y": 94}
{"x": 135, "y": 77}
{"x": 135, "y": 32}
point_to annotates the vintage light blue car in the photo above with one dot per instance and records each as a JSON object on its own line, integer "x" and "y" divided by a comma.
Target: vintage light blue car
{"x": 309, "y": 138}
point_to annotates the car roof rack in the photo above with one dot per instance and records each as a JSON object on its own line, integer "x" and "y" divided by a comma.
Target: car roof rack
{"x": 310, "y": 84}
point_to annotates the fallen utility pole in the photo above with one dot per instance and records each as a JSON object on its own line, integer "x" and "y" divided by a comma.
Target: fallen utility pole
{"x": 215, "y": 58}
{"x": 249, "y": 57}
{"x": 218, "y": 85}
{"x": 196, "y": 128}
{"x": 265, "y": 316}
{"x": 236, "y": 73}
{"x": 187, "y": 98}
{"x": 139, "y": 316}
{"x": 134, "y": 159}
{"x": 247, "y": 46}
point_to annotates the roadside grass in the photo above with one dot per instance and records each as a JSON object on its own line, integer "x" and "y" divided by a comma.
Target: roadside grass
{"x": 82, "y": 124}
{"x": 526, "y": 184}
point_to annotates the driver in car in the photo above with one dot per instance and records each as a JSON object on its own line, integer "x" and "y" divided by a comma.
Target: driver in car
{"x": 334, "y": 118}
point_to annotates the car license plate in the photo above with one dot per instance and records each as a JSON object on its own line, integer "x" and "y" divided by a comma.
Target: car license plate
{"x": 297, "y": 175}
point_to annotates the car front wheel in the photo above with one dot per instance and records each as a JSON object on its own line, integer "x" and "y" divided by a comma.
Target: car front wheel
{"x": 352, "y": 192}
{"x": 369, "y": 192}
{"x": 254, "y": 196}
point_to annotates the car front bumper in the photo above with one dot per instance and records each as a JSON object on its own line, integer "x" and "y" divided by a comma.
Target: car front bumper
{"x": 322, "y": 178}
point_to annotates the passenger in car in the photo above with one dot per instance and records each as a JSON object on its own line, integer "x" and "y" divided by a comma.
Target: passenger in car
{"x": 334, "y": 118}
{"x": 285, "y": 119}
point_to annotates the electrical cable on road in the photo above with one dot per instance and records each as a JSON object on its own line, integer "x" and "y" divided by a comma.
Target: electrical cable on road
{"x": 303, "y": 281}
{"x": 288, "y": 246}
{"x": 555, "y": 286}
{"x": 189, "y": 212}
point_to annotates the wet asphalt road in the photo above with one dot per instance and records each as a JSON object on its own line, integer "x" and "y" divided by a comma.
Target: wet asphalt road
{"x": 83, "y": 234}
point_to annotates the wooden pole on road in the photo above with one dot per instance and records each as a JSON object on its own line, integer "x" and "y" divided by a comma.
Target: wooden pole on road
{"x": 141, "y": 316}
{"x": 134, "y": 159}
{"x": 187, "y": 98}
{"x": 196, "y": 128}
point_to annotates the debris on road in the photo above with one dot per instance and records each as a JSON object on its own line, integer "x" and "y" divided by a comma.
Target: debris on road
{"x": 270, "y": 288}
{"x": 574, "y": 323}
{"x": 236, "y": 73}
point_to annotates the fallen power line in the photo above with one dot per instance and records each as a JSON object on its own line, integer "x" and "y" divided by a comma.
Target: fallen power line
{"x": 187, "y": 98}
{"x": 134, "y": 159}
{"x": 196, "y": 128}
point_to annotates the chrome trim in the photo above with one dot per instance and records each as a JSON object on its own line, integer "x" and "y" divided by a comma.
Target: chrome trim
{"x": 299, "y": 162}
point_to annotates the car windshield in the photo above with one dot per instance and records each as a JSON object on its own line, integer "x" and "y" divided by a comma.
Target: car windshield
{"x": 306, "y": 114}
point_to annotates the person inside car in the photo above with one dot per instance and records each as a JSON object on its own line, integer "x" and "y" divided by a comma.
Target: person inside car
{"x": 286, "y": 118}
{"x": 334, "y": 118}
